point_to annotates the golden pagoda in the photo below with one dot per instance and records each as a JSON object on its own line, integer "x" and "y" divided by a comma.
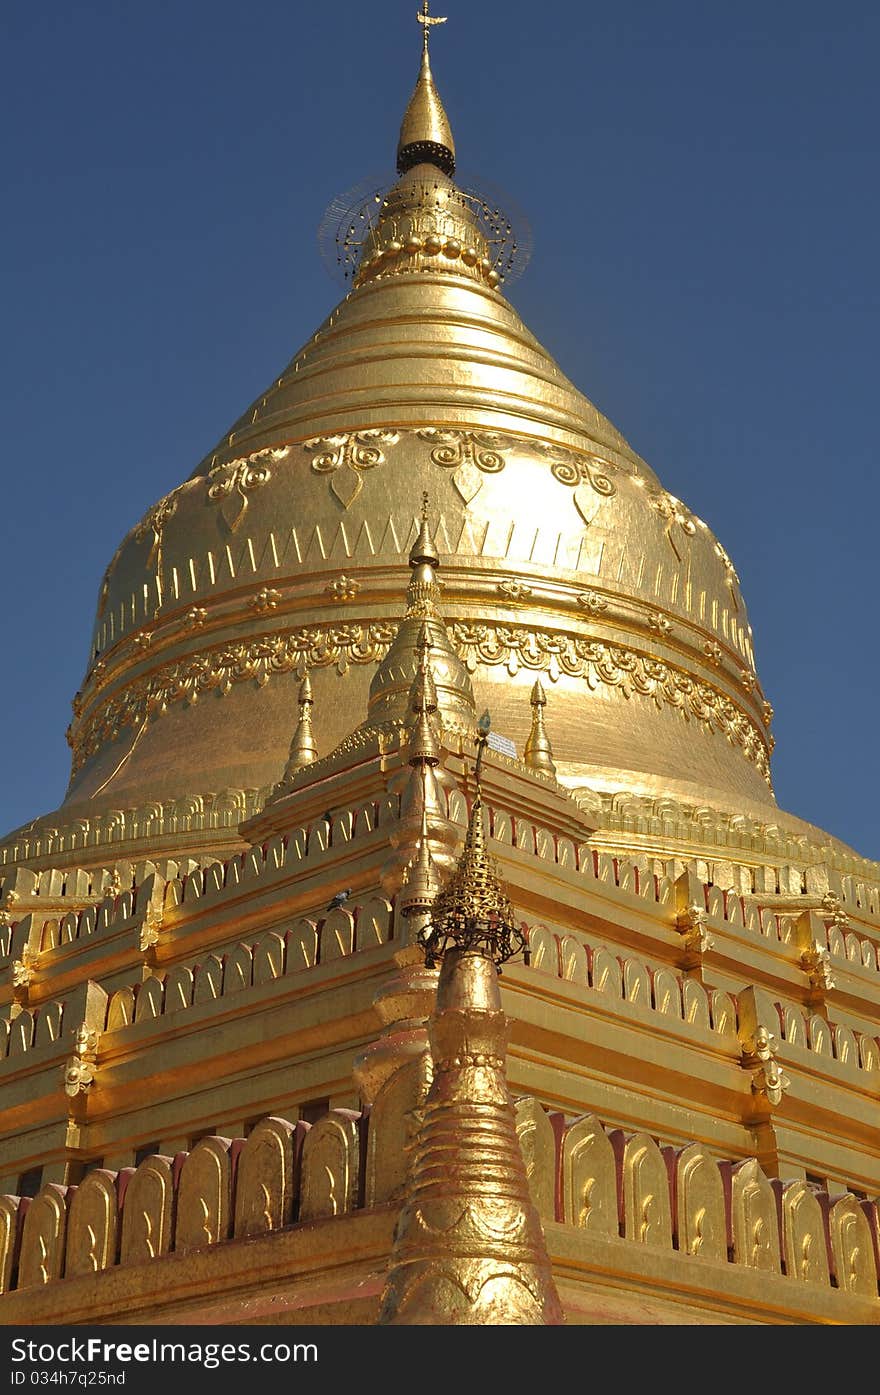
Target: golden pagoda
{"x": 419, "y": 940}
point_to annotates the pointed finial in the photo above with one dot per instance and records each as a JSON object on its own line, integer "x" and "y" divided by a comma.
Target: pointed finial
{"x": 426, "y": 21}
{"x": 424, "y": 549}
{"x": 303, "y": 750}
{"x": 538, "y": 754}
{"x": 391, "y": 686}
{"x": 425, "y": 133}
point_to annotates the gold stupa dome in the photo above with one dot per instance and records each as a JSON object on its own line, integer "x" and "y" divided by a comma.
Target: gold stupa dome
{"x": 286, "y": 550}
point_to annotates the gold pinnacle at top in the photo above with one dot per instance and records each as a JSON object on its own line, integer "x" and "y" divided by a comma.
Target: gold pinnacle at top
{"x": 538, "y": 754}
{"x": 469, "y": 1249}
{"x": 425, "y": 133}
{"x": 427, "y": 20}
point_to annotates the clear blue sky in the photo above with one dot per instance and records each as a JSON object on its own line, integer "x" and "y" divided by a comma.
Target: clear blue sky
{"x": 701, "y": 180}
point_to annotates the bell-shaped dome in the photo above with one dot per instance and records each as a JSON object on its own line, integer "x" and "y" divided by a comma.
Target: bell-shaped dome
{"x": 286, "y": 551}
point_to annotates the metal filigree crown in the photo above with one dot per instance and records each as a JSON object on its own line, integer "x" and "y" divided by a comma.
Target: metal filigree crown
{"x": 473, "y": 912}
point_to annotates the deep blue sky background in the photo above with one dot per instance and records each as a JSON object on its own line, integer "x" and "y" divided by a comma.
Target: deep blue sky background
{"x": 701, "y": 180}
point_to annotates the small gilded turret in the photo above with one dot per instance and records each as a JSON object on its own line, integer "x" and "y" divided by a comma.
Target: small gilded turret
{"x": 538, "y": 754}
{"x": 303, "y": 750}
{"x": 390, "y": 702}
{"x": 424, "y": 837}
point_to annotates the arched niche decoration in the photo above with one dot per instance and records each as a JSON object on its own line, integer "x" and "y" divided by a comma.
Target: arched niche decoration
{"x": 13, "y": 1209}
{"x": 50, "y": 935}
{"x": 543, "y": 951}
{"x": 819, "y": 1034}
{"x": 43, "y": 1237}
{"x": 268, "y": 958}
{"x": 667, "y": 993}
{"x": 647, "y": 1212}
{"x": 574, "y": 960}
{"x": 204, "y": 1195}
{"x": 264, "y": 1189}
{"x": 374, "y": 922}
{"x": 302, "y": 946}
{"x": 178, "y": 988}
{"x": 537, "y": 1141}
{"x": 92, "y": 1225}
{"x": 754, "y": 1218}
{"x": 636, "y": 983}
{"x": 700, "y": 1210}
{"x": 330, "y": 1166}
{"x": 337, "y": 935}
{"x": 21, "y": 1033}
{"x": 803, "y": 1235}
{"x": 605, "y": 974}
{"x": 120, "y": 1011}
{"x": 208, "y": 984}
{"x": 845, "y": 1046}
{"x": 794, "y": 1026}
{"x": 723, "y": 1013}
{"x": 49, "y": 1022}
{"x": 589, "y": 1178}
{"x": 148, "y": 1211}
{"x": 836, "y": 943}
{"x": 238, "y": 970}
{"x": 150, "y": 996}
{"x": 852, "y": 1249}
{"x": 695, "y": 1004}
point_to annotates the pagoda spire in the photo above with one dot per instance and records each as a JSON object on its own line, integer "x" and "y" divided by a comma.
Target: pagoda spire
{"x": 303, "y": 749}
{"x": 390, "y": 700}
{"x": 538, "y": 754}
{"x": 425, "y": 837}
{"x": 425, "y": 132}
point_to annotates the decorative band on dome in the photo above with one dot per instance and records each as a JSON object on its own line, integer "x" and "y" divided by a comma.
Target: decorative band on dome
{"x": 220, "y": 668}
{"x": 425, "y": 152}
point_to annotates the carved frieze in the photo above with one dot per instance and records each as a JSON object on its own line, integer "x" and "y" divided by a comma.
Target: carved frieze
{"x": 346, "y": 456}
{"x": 234, "y": 481}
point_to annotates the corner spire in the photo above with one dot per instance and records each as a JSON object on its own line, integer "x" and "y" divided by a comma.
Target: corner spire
{"x": 390, "y": 702}
{"x": 538, "y": 754}
{"x": 425, "y": 133}
{"x": 424, "y": 873}
{"x": 303, "y": 749}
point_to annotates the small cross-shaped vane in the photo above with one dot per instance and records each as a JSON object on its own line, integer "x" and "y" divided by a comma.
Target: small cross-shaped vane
{"x": 426, "y": 20}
